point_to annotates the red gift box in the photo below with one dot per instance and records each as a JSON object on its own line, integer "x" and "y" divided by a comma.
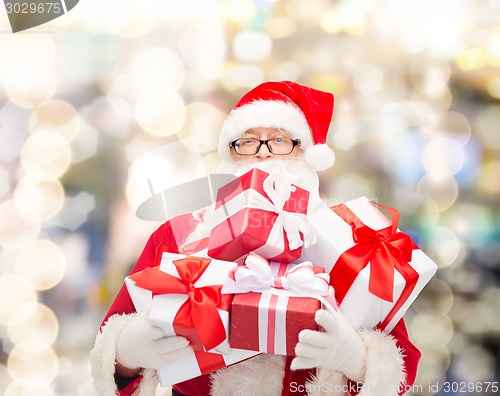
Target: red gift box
{"x": 277, "y": 301}
{"x": 270, "y": 323}
{"x": 261, "y": 213}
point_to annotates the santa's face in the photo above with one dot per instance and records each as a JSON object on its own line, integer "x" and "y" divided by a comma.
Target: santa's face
{"x": 291, "y": 166}
{"x": 263, "y": 153}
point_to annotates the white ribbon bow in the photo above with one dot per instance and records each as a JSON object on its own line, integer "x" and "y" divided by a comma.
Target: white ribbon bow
{"x": 299, "y": 281}
{"x": 256, "y": 275}
{"x": 279, "y": 191}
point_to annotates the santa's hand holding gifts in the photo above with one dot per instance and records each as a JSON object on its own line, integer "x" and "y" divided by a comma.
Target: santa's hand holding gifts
{"x": 286, "y": 336}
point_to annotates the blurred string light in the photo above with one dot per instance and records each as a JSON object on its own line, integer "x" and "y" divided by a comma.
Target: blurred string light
{"x": 158, "y": 74}
{"x": 107, "y": 114}
{"x": 473, "y": 364}
{"x": 453, "y": 125}
{"x": 347, "y": 17}
{"x": 494, "y": 87}
{"x": 442, "y": 26}
{"x": 368, "y": 78}
{"x": 33, "y": 321}
{"x": 25, "y": 69}
{"x": 203, "y": 49}
{"x": 493, "y": 46}
{"x": 14, "y": 292}
{"x": 418, "y": 210}
{"x": 472, "y": 59}
{"x": 486, "y": 127}
{"x": 203, "y": 123}
{"x": 136, "y": 18}
{"x": 432, "y": 327}
{"x": 75, "y": 211}
{"x": 442, "y": 244}
{"x": 189, "y": 10}
{"x": 405, "y": 151}
{"x": 487, "y": 180}
{"x": 350, "y": 186}
{"x": 252, "y": 46}
{"x": 32, "y": 89}
{"x": 306, "y": 13}
{"x": 127, "y": 20}
{"x": 130, "y": 21}
{"x": 209, "y": 164}
{"x": 442, "y": 157}
{"x": 286, "y": 70}
{"x": 42, "y": 264}
{"x": 38, "y": 200}
{"x": 160, "y": 113}
{"x": 13, "y": 131}
{"x": 429, "y": 74}
{"x": 23, "y": 55}
{"x": 240, "y": 11}
{"x": 473, "y": 158}
{"x": 17, "y": 388}
{"x": 440, "y": 298}
{"x": 45, "y": 155}
{"x": 33, "y": 363}
{"x": 281, "y": 27}
{"x": 490, "y": 296}
{"x": 237, "y": 76}
{"x": 135, "y": 148}
{"x": 4, "y": 182}
{"x": 474, "y": 224}
{"x": 157, "y": 67}
{"x": 432, "y": 330}
{"x": 57, "y": 116}
{"x": 16, "y": 231}
{"x": 147, "y": 172}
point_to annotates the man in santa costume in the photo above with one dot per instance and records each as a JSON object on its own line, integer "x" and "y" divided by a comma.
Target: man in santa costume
{"x": 279, "y": 127}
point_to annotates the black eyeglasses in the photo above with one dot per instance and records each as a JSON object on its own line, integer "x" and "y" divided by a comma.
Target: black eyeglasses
{"x": 276, "y": 146}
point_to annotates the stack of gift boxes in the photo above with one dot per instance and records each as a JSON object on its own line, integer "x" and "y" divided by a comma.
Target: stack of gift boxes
{"x": 268, "y": 266}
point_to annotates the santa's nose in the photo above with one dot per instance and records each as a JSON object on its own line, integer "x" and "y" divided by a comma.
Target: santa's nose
{"x": 264, "y": 152}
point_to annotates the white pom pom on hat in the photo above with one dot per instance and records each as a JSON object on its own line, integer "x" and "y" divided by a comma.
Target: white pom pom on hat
{"x": 304, "y": 112}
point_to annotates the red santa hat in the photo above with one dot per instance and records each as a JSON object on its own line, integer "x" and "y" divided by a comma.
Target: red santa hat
{"x": 302, "y": 111}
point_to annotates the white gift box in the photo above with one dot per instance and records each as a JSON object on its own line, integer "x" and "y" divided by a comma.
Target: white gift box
{"x": 199, "y": 363}
{"x": 361, "y": 307}
{"x": 163, "y": 309}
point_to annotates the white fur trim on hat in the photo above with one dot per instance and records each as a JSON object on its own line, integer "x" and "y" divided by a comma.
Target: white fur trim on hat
{"x": 264, "y": 114}
{"x": 102, "y": 361}
{"x": 384, "y": 370}
{"x": 319, "y": 157}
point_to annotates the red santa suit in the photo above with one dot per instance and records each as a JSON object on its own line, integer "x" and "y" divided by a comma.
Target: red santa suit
{"x": 391, "y": 362}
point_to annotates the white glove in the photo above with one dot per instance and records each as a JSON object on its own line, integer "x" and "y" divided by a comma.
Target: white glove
{"x": 338, "y": 347}
{"x": 142, "y": 345}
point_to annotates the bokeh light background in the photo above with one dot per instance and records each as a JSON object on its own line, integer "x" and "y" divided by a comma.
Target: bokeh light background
{"x": 82, "y": 98}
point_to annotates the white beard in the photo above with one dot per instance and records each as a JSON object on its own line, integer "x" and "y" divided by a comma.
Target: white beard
{"x": 296, "y": 170}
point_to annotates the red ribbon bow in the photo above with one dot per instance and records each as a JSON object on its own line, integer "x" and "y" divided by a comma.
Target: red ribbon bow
{"x": 386, "y": 250}
{"x": 199, "y": 311}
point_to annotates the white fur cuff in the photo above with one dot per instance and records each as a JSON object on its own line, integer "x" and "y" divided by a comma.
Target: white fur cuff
{"x": 102, "y": 361}
{"x": 384, "y": 370}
